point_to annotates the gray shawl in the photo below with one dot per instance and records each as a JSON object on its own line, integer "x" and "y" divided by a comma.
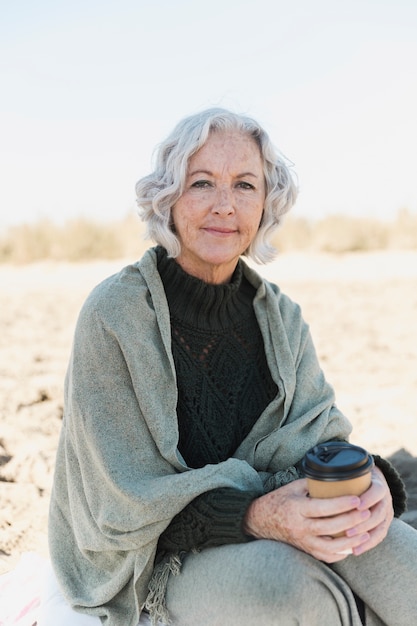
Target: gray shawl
{"x": 119, "y": 477}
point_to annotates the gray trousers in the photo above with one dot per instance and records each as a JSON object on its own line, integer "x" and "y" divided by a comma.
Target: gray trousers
{"x": 267, "y": 583}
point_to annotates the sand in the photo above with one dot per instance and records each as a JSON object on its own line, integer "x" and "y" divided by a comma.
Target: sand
{"x": 362, "y": 309}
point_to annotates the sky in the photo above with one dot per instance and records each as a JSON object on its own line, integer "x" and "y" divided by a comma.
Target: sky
{"x": 90, "y": 87}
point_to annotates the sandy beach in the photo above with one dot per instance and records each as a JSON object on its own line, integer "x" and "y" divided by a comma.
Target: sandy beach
{"x": 362, "y": 310}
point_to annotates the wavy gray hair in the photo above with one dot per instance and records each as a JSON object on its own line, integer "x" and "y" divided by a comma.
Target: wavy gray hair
{"x": 158, "y": 192}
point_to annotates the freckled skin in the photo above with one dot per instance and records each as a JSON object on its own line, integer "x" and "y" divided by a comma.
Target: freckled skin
{"x": 219, "y": 212}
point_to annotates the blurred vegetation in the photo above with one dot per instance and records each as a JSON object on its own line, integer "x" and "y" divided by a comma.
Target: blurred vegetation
{"x": 76, "y": 240}
{"x": 339, "y": 234}
{"x": 84, "y": 239}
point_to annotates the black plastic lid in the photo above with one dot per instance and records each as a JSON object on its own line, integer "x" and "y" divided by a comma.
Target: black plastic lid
{"x": 336, "y": 460}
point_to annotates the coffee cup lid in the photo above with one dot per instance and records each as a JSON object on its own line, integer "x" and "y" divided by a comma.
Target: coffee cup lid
{"x": 336, "y": 460}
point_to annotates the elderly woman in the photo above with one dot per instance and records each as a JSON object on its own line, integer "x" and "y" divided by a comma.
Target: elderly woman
{"x": 192, "y": 394}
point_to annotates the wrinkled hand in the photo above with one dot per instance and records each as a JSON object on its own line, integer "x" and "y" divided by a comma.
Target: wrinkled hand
{"x": 378, "y": 501}
{"x": 287, "y": 514}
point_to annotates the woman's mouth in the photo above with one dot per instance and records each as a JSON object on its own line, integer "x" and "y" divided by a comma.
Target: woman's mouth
{"x": 219, "y": 232}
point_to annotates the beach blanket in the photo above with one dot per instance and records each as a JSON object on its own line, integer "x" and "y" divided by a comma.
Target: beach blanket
{"x": 22, "y": 597}
{"x": 20, "y": 591}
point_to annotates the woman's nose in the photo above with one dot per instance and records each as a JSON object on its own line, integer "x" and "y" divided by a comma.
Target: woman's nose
{"x": 224, "y": 202}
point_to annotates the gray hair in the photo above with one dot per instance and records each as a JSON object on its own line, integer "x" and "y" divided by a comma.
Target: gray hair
{"x": 158, "y": 192}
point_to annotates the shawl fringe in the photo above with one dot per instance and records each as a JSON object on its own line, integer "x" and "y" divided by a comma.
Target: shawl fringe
{"x": 156, "y": 600}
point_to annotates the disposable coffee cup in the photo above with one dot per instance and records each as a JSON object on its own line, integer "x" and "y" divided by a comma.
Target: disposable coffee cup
{"x": 337, "y": 468}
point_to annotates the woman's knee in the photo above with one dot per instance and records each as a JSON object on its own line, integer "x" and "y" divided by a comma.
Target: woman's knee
{"x": 272, "y": 573}
{"x": 265, "y": 581}
{"x": 295, "y": 584}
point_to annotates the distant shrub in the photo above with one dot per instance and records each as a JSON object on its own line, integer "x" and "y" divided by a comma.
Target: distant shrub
{"x": 26, "y": 242}
{"x": 77, "y": 240}
{"x": 340, "y": 234}
{"x": 403, "y": 232}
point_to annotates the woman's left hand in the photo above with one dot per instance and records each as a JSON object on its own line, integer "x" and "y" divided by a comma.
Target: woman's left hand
{"x": 377, "y": 499}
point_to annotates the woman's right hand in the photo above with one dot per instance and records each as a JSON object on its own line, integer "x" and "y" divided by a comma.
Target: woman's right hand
{"x": 289, "y": 515}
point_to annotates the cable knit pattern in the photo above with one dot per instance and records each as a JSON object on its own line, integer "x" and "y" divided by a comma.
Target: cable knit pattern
{"x": 224, "y": 381}
{"x": 212, "y": 519}
{"x": 224, "y": 384}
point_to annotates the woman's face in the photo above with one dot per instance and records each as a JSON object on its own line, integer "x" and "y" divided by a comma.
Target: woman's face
{"x": 219, "y": 213}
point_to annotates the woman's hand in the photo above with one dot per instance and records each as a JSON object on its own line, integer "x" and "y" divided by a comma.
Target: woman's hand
{"x": 377, "y": 499}
{"x": 287, "y": 514}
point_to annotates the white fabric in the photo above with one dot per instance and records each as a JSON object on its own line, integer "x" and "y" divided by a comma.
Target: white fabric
{"x": 55, "y": 611}
{"x": 20, "y": 591}
{"x": 29, "y": 594}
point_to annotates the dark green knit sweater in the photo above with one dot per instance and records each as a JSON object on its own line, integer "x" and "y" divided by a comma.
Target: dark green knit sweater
{"x": 224, "y": 384}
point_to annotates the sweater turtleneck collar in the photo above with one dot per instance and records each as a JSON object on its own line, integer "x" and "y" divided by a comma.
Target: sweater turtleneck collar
{"x": 203, "y": 305}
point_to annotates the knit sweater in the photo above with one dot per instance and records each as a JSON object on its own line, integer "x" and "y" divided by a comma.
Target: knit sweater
{"x": 224, "y": 384}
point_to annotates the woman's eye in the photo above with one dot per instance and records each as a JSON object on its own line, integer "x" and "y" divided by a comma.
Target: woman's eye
{"x": 201, "y": 184}
{"x": 244, "y": 185}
